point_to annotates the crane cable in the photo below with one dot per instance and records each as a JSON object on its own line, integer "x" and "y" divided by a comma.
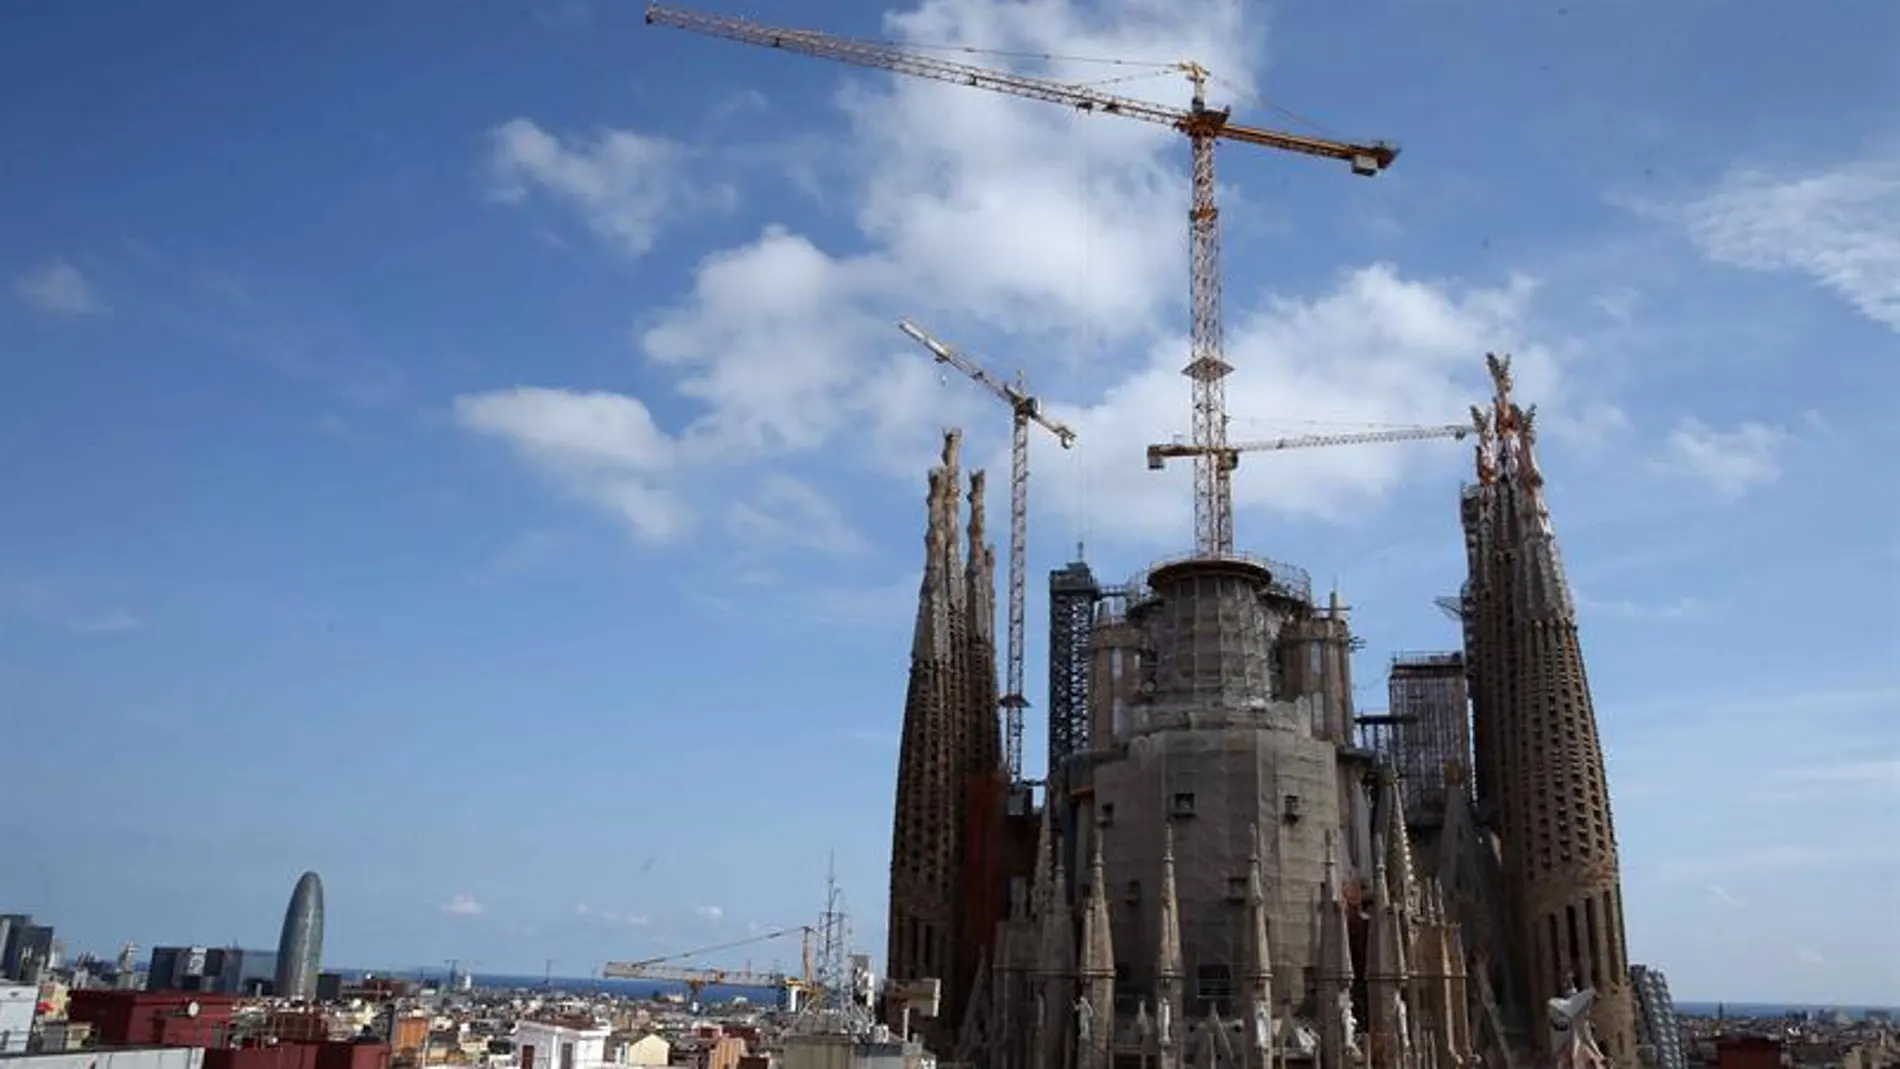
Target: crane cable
{"x": 733, "y": 945}
{"x": 1080, "y": 518}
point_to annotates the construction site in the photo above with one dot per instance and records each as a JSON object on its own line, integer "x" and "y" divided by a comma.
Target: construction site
{"x": 1225, "y": 863}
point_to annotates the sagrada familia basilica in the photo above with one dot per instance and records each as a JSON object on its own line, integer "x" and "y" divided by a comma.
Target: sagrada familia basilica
{"x": 1233, "y": 868}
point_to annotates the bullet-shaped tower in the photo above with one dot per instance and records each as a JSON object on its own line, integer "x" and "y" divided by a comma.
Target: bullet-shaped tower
{"x": 1540, "y": 762}
{"x": 300, "y": 945}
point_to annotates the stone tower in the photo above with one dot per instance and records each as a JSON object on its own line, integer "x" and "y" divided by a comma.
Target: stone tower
{"x": 1541, "y": 782}
{"x": 949, "y": 779}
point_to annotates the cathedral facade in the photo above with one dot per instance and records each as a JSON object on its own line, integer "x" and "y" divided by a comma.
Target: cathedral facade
{"x": 1226, "y": 874}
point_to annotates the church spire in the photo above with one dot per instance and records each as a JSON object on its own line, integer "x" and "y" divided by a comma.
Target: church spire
{"x": 1259, "y": 961}
{"x": 1168, "y": 967}
{"x": 1095, "y": 1010}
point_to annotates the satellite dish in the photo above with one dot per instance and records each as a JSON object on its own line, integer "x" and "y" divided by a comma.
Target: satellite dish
{"x": 191, "y": 1008}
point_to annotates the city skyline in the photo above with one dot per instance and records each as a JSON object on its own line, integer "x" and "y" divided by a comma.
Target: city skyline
{"x": 498, "y": 470}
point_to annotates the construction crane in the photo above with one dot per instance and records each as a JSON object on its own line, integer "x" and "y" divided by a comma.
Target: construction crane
{"x": 698, "y": 979}
{"x": 1024, "y": 410}
{"x": 1203, "y": 127}
{"x": 1228, "y": 456}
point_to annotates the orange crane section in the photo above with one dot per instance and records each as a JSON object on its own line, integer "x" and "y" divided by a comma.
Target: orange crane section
{"x": 697, "y": 980}
{"x": 1024, "y": 410}
{"x": 1229, "y": 457}
{"x": 1203, "y": 127}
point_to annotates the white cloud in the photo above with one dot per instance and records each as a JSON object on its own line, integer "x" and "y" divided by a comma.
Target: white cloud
{"x": 462, "y": 905}
{"x": 1381, "y": 349}
{"x": 1769, "y": 858}
{"x": 1848, "y": 775}
{"x": 785, "y": 512}
{"x": 57, "y": 605}
{"x": 623, "y": 184}
{"x": 1724, "y": 895}
{"x": 60, "y": 288}
{"x": 1841, "y": 225}
{"x": 602, "y": 447}
{"x": 987, "y": 216}
{"x": 1730, "y": 462}
{"x": 608, "y": 916}
{"x": 892, "y": 604}
{"x": 711, "y": 913}
{"x": 1683, "y": 608}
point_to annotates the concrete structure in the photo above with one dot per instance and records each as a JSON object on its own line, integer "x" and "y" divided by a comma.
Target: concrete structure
{"x": 946, "y": 878}
{"x": 710, "y": 1048}
{"x": 1429, "y": 740}
{"x": 647, "y": 1050}
{"x": 1658, "y": 1032}
{"x": 828, "y": 1051}
{"x": 1232, "y": 868}
{"x": 323, "y": 1055}
{"x": 564, "y": 1044}
{"x": 25, "y": 948}
{"x": 18, "y": 1006}
{"x": 222, "y": 970}
{"x": 1073, "y": 593}
{"x": 55, "y": 1036}
{"x": 1751, "y": 1052}
{"x": 135, "y": 1058}
{"x": 8, "y": 922}
{"x": 300, "y": 946}
{"x": 1225, "y": 876}
{"x": 153, "y": 1018}
{"x": 1541, "y": 786}
{"x": 407, "y": 1032}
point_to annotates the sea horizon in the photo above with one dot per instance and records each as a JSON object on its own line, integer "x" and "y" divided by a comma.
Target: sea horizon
{"x": 1689, "y": 1007}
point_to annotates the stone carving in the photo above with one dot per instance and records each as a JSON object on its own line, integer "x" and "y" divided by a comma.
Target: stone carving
{"x": 1207, "y": 1056}
{"x": 1301, "y": 1041}
{"x": 1084, "y": 1020}
{"x": 1164, "y": 1023}
{"x": 1572, "y": 1045}
{"x": 1348, "y": 1023}
{"x": 1404, "y": 1027}
{"x": 1262, "y": 1025}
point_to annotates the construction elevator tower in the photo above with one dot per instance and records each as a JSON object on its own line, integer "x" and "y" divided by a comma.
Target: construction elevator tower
{"x": 1073, "y": 593}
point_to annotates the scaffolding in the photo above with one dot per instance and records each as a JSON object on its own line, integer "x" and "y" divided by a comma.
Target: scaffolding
{"x": 1430, "y": 722}
{"x": 1073, "y": 593}
{"x": 1287, "y": 581}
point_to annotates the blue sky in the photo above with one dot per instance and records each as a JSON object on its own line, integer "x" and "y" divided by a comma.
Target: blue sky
{"x": 463, "y": 448}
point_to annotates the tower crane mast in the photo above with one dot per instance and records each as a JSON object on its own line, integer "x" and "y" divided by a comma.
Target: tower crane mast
{"x": 1203, "y": 127}
{"x": 1024, "y": 410}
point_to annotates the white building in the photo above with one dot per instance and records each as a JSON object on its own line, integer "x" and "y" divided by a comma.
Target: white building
{"x": 17, "y": 1005}
{"x": 546, "y": 1045}
{"x": 649, "y": 1050}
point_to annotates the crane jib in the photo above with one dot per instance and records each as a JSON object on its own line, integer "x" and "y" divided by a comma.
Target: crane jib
{"x": 1213, "y": 503}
